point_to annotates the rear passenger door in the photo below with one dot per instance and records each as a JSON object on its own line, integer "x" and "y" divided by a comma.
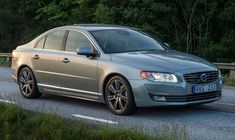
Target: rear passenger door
{"x": 46, "y": 57}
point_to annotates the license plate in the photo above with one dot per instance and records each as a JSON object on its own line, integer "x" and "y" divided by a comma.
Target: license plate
{"x": 204, "y": 88}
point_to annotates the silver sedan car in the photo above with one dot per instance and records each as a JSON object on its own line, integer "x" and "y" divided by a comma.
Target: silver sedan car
{"x": 120, "y": 66}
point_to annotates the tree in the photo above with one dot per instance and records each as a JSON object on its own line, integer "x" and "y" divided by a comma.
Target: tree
{"x": 202, "y": 27}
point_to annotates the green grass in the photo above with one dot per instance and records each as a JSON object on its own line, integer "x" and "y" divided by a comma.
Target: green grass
{"x": 228, "y": 81}
{"x": 3, "y": 62}
{"x": 16, "y": 123}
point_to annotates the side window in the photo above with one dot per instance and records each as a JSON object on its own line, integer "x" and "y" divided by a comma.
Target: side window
{"x": 76, "y": 40}
{"x": 54, "y": 41}
{"x": 40, "y": 43}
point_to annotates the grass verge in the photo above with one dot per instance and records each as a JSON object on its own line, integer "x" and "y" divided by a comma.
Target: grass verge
{"x": 16, "y": 123}
{"x": 228, "y": 81}
{"x": 3, "y": 62}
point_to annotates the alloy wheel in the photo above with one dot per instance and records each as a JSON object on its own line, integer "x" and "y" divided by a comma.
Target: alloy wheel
{"x": 117, "y": 95}
{"x": 26, "y": 82}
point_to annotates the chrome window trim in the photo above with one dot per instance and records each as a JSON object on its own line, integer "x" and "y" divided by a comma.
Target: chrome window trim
{"x": 69, "y": 89}
{"x": 87, "y": 36}
{"x": 76, "y": 30}
{"x": 45, "y": 35}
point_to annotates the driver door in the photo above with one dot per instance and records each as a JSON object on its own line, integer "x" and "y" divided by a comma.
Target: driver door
{"x": 79, "y": 73}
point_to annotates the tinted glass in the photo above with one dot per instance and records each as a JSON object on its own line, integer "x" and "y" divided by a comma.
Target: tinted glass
{"x": 40, "y": 43}
{"x": 54, "y": 41}
{"x": 76, "y": 40}
{"x": 125, "y": 40}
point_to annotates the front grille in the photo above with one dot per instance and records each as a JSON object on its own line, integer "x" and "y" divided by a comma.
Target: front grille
{"x": 195, "y": 78}
{"x": 192, "y": 97}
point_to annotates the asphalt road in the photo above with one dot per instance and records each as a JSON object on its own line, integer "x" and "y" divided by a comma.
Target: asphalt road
{"x": 210, "y": 121}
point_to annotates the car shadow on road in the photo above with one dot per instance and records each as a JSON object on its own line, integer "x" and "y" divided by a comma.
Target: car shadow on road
{"x": 150, "y": 111}
{"x": 73, "y": 101}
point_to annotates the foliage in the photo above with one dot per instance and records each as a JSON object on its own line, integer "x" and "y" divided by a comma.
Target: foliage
{"x": 3, "y": 62}
{"x": 228, "y": 81}
{"x": 201, "y": 27}
{"x": 19, "y": 124}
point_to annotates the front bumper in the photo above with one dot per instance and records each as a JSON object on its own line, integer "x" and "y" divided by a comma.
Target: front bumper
{"x": 175, "y": 94}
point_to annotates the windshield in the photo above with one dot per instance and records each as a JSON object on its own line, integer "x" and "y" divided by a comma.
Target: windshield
{"x": 126, "y": 40}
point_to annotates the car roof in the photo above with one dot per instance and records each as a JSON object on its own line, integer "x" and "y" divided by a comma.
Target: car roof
{"x": 94, "y": 27}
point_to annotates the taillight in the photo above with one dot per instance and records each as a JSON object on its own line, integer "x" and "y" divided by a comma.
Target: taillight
{"x": 13, "y": 56}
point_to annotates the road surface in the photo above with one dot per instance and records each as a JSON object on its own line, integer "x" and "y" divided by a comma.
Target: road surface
{"x": 210, "y": 121}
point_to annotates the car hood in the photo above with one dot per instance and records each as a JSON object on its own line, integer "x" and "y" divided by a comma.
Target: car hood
{"x": 162, "y": 61}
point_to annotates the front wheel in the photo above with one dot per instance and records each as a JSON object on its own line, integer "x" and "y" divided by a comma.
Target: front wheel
{"x": 119, "y": 97}
{"x": 28, "y": 84}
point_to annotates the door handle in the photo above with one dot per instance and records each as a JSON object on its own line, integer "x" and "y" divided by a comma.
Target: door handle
{"x": 36, "y": 57}
{"x": 66, "y": 60}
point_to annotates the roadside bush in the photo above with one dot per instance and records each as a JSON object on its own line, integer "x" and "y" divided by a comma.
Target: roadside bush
{"x": 3, "y": 62}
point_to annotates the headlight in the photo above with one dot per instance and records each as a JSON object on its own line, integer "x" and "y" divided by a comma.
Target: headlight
{"x": 161, "y": 77}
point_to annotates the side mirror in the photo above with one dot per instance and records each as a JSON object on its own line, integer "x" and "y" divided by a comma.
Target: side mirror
{"x": 86, "y": 50}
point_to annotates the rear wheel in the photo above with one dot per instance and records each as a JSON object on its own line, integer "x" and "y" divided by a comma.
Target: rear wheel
{"x": 119, "y": 96}
{"x": 27, "y": 84}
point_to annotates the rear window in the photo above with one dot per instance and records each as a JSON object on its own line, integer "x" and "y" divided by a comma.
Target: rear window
{"x": 54, "y": 41}
{"x": 40, "y": 43}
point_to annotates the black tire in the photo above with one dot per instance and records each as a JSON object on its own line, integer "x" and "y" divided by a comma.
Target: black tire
{"x": 119, "y": 97}
{"x": 28, "y": 84}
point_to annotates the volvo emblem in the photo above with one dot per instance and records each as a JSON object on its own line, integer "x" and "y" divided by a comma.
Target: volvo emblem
{"x": 203, "y": 78}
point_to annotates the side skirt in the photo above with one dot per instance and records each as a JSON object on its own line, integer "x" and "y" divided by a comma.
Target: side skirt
{"x": 68, "y": 92}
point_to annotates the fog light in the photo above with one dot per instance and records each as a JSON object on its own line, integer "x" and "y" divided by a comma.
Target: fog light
{"x": 159, "y": 98}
